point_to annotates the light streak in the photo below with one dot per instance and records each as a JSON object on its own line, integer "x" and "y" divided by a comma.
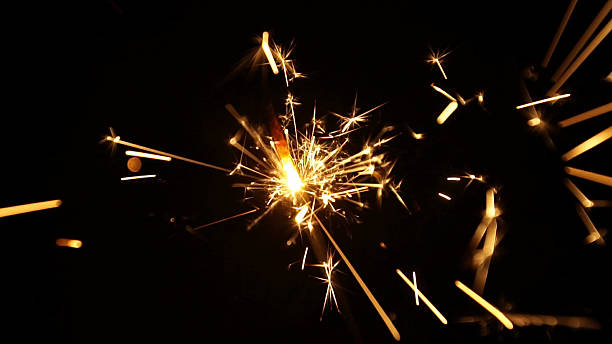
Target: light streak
{"x": 583, "y": 39}
{"x": 489, "y": 247}
{"x": 416, "y": 289}
{"x": 441, "y": 69}
{"x": 147, "y": 155}
{"x": 586, "y": 115}
{"x": 444, "y": 196}
{"x": 304, "y": 259}
{"x": 577, "y": 193}
{"x": 543, "y": 101}
{"x": 443, "y": 93}
{"x": 427, "y": 303}
{"x": 266, "y": 48}
{"x": 329, "y": 267}
{"x": 72, "y": 243}
{"x": 560, "y": 30}
{"x": 139, "y": 177}
{"x": 453, "y": 178}
{"x": 490, "y": 308}
{"x": 448, "y": 110}
{"x": 534, "y": 122}
{"x": 552, "y": 320}
{"x": 588, "y": 144}
{"x": 362, "y": 284}
{"x": 480, "y": 98}
{"x": 225, "y": 219}
{"x": 490, "y": 201}
{"x": 594, "y": 234}
{"x": 27, "y": 208}
{"x": 117, "y": 140}
{"x": 585, "y": 53}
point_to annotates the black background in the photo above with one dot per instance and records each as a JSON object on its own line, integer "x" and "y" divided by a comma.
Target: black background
{"x": 160, "y": 75}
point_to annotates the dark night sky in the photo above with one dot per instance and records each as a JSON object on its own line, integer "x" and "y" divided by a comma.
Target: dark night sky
{"x": 160, "y": 75}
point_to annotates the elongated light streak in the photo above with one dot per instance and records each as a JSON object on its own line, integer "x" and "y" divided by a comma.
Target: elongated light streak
{"x": 490, "y": 200}
{"x": 379, "y": 309}
{"x": 147, "y": 155}
{"x": 577, "y": 193}
{"x": 453, "y": 178}
{"x": 592, "y": 176}
{"x": 588, "y": 144}
{"x": 534, "y": 122}
{"x": 560, "y": 30}
{"x": 304, "y": 259}
{"x": 416, "y": 289}
{"x": 427, "y": 303}
{"x": 225, "y": 219}
{"x": 117, "y": 140}
{"x": 72, "y": 243}
{"x": 443, "y": 93}
{"x": 444, "y": 196}
{"x": 140, "y": 177}
{"x": 594, "y": 234}
{"x": 490, "y": 308}
{"x": 448, "y": 110}
{"x": 266, "y": 48}
{"x": 543, "y": 101}
{"x": 27, "y": 208}
{"x": 586, "y": 115}
{"x": 441, "y": 69}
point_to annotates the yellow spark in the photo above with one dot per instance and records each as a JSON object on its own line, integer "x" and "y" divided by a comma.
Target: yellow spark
{"x": 448, "y": 110}
{"x": 416, "y": 289}
{"x": 294, "y": 183}
{"x": 490, "y": 199}
{"x": 441, "y": 69}
{"x": 139, "y": 177}
{"x": 543, "y": 101}
{"x": 588, "y": 144}
{"x": 578, "y": 194}
{"x": 147, "y": 155}
{"x": 225, "y": 219}
{"x": 304, "y": 259}
{"x": 443, "y": 92}
{"x": 490, "y": 308}
{"x": 592, "y": 176}
{"x": 266, "y": 48}
{"x": 594, "y": 234}
{"x": 427, "y": 303}
{"x": 534, "y": 122}
{"x": 300, "y": 216}
{"x": 480, "y": 98}
{"x": 27, "y": 208}
{"x": 453, "y": 178}
{"x": 73, "y": 243}
{"x": 586, "y": 115}
{"x": 444, "y": 196}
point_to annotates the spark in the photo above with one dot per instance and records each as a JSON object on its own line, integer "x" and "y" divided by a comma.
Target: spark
{"x": 577, "y": 193}
{"x": 586, "y": 115}
{"x": 72, "y": 243}
{"x": 588, "y": 144}
{"x": 139, "y": 177}
{"x": 416, "y": 289}
{"x": 444, "y": 93}
{"x": 444, "y": 196}
{"x": 436, "y": 58}
{"x": 534, "y": 122}
{"x": 147, "y": 155}
{"x": 329, "y": 267}
{"x": 27, "y": 208}
{"x": 448, "y": 110}
{"x": 226, "y": 219}
{"x": 453, "y": 178}
{"x": 560, "y": 30}
{"x": 304, "y": 259}
{"x": 490, "y": 201}
{"x": 486, "y": 305}
{"x": 543, "y": 101}
{"x": 420, "y": 294}
{"x": 266, "y": 48}
{"x": 480, "y": 97}
{"x": 594, "y": 234}
{"x": 592, "y": 176}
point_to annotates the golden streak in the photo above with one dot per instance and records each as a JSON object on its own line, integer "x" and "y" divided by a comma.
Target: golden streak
{"x": 362, "y": 284}
{"x": 416, "y": 289}
{"x": 594, "y": 234}
{"x": 490, "y": 200}
{"x": 266, "y": 48}
{"x": 543, "y": 101}
{"x": 140, "y": 177}
{"x": 294, "y": 183}
{"x": 551, "y": 320}
{"x": 427, "y": 303}
{"x": 225, "y": 219}
{"x": 578, "y": 194}
{"x": 448, "y": 110}
{"x": 490, "y": 308}
{"x": 592, "y": 176}
{"x": 300, "y": 216}
{"x": 586, "y": 115}
{"x": 588, "y": 144}
{"x": 27, "y": 208}
{"x": 73, "y": 243}
{"x": 489, "y": 247}
{"x": 534, "y": 122}
{"x": 444, "y": 196}
{"x": 480, "y": 98}
{"x": 147, "y": 155}
{"x": 441, "y": 69}
{"x": 304, "y": 259}
{"x": 560, "y": 30}
{"x": 453, "y": 178}
{"x": 444, "y": 93}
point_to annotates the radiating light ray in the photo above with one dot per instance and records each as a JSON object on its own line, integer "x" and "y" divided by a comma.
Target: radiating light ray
{"x": 583, "y": 39}
{"x": 28, "y": 208}
{"x": 147, "y": 155}
{"x": 543, "y": 101}
{"x": 553, "y": 320}
{"x": 602, "y": 203}
{"x": 588, "y": 144}
{"x": 72, "y": 243}
{"x": 486, "y": 305}
{"x": 482, "y": 271}
{"x": 144, "y": 176}
{"x": 448, "y": 110}
{"x": 577, "y": 193}
{"x": 266, "y": 48}
{"x": 592, "y": 176}
{"x": 480, "y": 231}
{"x": 594, "y": 234}
{"x": 304, "y": 259}
{"x": 443, "y": 93}
{"x": 225, "y": 219}
{"x": 416, "y": 289}
{"x": 455, "y": 179}
{"x": 117, "y": 140}
{"x": 444, "y": 196}
{"x": 329, "y": 267}
{"x": 362, "y": 284}
{"x": 553, "y": 44}
{"x": 490, "y": 202}
{"x": 586, "y": 115}
{"x": 420, "y": 294}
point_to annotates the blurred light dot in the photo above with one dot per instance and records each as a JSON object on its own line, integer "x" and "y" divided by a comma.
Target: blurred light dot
{"x": 134, "y": 164}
